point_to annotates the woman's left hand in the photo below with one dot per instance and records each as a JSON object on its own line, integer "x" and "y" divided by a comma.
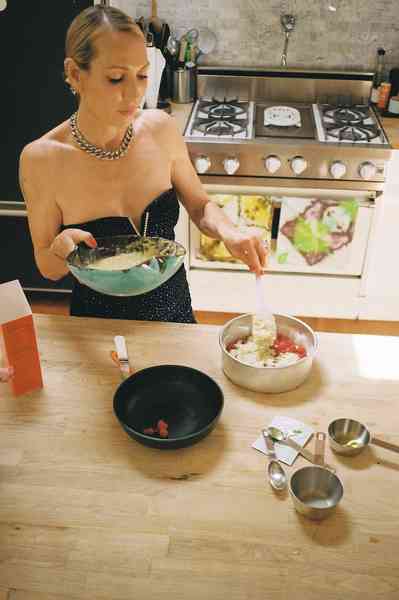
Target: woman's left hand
{"x": 247, "y": 245}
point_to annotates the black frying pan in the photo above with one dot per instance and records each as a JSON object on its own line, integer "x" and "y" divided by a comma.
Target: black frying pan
{"x": 187, "y": 399}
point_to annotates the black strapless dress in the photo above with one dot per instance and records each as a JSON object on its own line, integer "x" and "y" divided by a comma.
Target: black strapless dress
{"x": 170, "y": 302}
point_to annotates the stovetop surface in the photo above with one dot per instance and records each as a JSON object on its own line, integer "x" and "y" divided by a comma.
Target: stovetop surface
{"x": 306, "y": 129}
{"x": 232, "y": 119}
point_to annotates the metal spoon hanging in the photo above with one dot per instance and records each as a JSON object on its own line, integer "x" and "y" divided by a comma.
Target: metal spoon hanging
{"x": 288, "y": 24}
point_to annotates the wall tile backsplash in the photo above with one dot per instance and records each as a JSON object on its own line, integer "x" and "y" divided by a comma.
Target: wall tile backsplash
{"x": 249, "y": 31}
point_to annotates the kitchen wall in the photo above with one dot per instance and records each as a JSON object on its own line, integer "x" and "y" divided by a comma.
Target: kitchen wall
{"x": 249, "y": 32}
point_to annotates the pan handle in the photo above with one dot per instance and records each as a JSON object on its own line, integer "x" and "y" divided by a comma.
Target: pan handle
{"x": 383, "y": 444}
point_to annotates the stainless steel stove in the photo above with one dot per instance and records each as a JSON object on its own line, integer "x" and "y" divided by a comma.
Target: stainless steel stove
{"x": 288, "y": 126}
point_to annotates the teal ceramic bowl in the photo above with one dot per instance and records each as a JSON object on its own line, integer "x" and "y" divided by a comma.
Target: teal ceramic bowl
{"x": 159, "y": 260}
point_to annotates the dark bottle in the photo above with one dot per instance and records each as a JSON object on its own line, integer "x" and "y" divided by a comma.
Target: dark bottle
{"x": 379, "y": 75}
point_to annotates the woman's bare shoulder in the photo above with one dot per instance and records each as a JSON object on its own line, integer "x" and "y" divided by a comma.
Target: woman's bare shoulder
{"x": 156, "y": 120}
{"x": 47, "y": 148}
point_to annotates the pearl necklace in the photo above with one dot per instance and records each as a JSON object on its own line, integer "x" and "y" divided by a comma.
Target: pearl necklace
{"x": 86, "y": 146}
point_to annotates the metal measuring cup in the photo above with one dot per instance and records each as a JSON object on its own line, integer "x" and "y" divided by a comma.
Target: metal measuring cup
{"x": 350, "y": 437}
{"x": 316, "y": 491}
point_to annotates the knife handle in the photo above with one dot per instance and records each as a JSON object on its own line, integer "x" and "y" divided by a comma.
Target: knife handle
{"x": 122, "y": 356}
{"x": 120, "y": 344}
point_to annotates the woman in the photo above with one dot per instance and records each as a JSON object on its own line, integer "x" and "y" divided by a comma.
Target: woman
{"x": 73, "y": 193}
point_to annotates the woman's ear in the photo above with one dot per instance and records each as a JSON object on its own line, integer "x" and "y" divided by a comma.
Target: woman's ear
{"x": 72, "y": 74}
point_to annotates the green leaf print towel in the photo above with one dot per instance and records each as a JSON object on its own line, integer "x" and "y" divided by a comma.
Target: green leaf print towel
{"x": 312, "y": 230}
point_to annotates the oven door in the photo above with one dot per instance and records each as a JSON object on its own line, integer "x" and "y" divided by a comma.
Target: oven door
{"x": 17, "y": 252}
{"x": 310, "y": 230}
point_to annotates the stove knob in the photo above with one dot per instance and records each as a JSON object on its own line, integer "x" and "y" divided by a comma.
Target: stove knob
{"x": 298, "y": 165}
{"x": 367, "y": 170}
{"x": 202, "y": 163}
{"x": 337, "y": 169}
{"x": 231, "y": 165}
{"x": 272, "y": 163}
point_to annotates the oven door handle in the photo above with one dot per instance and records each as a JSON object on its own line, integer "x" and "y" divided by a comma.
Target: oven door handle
{"x": 13, "y": 212}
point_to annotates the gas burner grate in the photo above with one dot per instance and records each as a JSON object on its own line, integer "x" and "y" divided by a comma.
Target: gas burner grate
{"x": 353, "y": 133}
{"x": 223, "y": 109}
{"x": 346, "y": 114}
{"x": 220, "y": 126}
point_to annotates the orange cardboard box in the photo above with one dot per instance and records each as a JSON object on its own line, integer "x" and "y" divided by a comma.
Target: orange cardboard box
{"x": 18, "y": 339}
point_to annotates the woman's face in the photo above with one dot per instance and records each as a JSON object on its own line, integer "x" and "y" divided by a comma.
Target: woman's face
{"x": 113, "y": 88}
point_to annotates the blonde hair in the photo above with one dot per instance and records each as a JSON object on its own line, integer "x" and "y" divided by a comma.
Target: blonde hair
{"x": 88, "y": 24}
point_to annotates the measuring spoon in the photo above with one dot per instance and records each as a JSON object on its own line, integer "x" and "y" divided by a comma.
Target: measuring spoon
{"x": 279, "y": 436}
{"x": 275, "y": 472}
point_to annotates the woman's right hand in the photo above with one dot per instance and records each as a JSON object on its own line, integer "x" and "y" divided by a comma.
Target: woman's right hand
{"x": 6, "y": 373}
{"x": 67, "y": 240}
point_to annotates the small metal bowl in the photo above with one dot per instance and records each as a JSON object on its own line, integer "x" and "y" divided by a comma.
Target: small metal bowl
{"x": 272, "y": 380}
{"x": 347, "y": 436}
{"x": 315, "y": 492}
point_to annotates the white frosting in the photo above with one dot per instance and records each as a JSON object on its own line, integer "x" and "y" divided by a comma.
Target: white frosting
{"x": 122, "y": 261}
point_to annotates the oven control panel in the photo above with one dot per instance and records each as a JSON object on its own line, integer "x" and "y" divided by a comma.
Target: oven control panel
{"x": 312, "y": 162}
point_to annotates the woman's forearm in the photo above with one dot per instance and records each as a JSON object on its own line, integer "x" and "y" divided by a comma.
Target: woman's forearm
{"x": 215, "y": 223}
{"x": 50, "y": 266}
{"x": 243, "y": 243}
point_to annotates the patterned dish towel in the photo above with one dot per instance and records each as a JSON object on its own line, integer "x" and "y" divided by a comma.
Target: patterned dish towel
{"x": 253, "y": 211}
{"x": 312, "y": 230}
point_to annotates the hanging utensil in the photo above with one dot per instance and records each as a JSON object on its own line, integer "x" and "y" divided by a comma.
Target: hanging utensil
{"x": 288, "y": 24}
{"x": 206, "y": 41}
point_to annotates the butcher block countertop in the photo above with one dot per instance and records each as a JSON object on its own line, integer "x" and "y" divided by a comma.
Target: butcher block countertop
{"x": 88, "y": 513}
{"x": 391, "y": 126}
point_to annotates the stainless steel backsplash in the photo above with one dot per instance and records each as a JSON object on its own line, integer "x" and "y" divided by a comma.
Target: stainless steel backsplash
{"x": 249, "y": 31}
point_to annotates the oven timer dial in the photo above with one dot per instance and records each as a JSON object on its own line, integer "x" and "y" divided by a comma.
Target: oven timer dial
{"x": 298, "y": 165}
{"x": 231, "y": 165}
{"x": 202, "y": 163}
{"x": 367, "y": 170}
{"x": 272, "y": 163}
{"x": 337, "y": 169}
